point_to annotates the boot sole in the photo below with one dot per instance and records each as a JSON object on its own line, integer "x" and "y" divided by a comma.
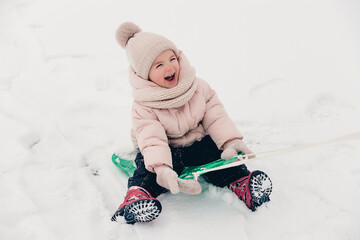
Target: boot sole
{"x": 260, "y": 187}
{"x": 143, "y": 210}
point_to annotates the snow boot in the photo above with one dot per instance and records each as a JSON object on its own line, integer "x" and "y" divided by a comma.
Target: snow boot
{"x": 138, "y": 206}
{"x": 253, "y": 189}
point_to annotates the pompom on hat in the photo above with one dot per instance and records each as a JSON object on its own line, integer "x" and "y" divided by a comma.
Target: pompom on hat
{"x": 142, "y": 48}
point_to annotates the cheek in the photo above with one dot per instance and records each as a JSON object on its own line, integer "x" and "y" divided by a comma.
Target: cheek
{"x": 177, "y": 67}
{"x": 159, "y": 76}
{"x": 153, "y": 74}
{"x": 156, "y": 76}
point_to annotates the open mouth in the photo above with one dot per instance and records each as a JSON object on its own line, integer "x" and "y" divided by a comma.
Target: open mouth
{"x": 171, "y": 77}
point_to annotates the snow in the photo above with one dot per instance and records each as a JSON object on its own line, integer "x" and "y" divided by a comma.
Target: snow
{"x": 287, "y": 72}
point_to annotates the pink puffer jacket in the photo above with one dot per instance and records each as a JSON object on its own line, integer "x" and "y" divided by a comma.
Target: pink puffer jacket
{"x": 155, "y": 129}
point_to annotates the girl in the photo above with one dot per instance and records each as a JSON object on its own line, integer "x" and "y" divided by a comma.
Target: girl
{"x": 178, "y": 121}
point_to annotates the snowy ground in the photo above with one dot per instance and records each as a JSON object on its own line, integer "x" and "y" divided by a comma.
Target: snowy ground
{"x": 287, "y": 72}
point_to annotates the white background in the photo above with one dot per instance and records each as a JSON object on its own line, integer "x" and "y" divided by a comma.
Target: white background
{"x": 288, "y": 73}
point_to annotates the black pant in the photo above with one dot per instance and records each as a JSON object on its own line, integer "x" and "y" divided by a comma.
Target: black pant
{"x": 197, "y": 154}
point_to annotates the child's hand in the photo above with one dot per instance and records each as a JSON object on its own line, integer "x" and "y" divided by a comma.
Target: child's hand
{"x": 190, "y": 186}
{"x": 168, "y": 178}
{"x": 232, "y": 148}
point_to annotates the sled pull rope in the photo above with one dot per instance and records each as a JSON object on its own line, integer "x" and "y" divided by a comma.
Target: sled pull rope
{"x": 242, "y": 159}
{"x": 310, "y": 145}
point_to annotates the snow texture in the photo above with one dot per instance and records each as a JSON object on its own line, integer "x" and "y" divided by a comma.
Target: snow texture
{"x": 287, "y": 72}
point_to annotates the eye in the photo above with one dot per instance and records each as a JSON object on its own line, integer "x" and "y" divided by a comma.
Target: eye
{"x": 157, "y": 66}
{"x": 172, "y": 59}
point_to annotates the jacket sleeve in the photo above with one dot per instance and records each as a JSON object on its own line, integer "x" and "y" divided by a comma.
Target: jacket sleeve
{"x": 216, "y": 121}
{"x": 151, "y": 138}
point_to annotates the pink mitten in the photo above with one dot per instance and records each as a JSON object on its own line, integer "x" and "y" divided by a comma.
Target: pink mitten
{"x": 232, "y": 148}
{"x": 190, "y": 186}
{"x": 167, "y": 178}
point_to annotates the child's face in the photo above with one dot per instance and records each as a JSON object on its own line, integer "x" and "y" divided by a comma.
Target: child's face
{"x": 165, "y": 70}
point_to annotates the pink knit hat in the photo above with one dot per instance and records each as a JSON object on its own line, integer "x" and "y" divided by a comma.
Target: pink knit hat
{"x": 142, "y": 48}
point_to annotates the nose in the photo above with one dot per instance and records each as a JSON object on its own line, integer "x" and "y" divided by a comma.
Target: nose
{"x": 168, "y": 68}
